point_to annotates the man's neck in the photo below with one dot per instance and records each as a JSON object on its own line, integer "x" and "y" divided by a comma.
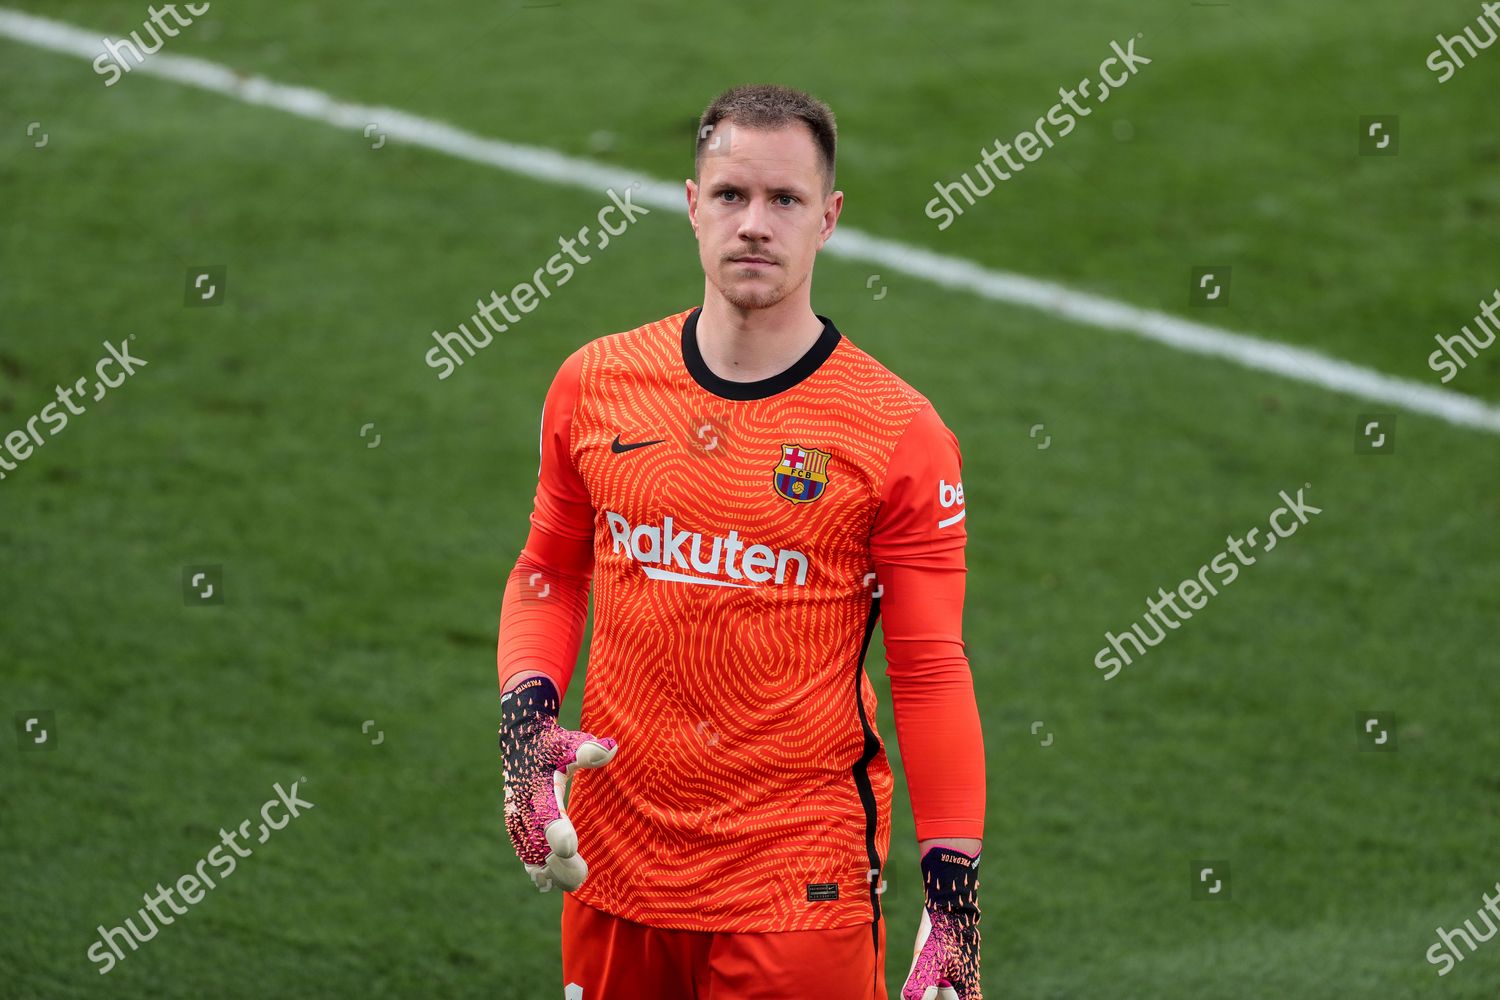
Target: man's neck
{"x": 747, "y": 345}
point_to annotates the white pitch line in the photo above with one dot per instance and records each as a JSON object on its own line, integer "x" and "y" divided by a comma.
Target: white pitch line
{"x": 539, "y": 163}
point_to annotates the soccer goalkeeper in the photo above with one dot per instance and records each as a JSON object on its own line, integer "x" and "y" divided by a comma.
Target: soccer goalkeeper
{"x": 747, "y": 492}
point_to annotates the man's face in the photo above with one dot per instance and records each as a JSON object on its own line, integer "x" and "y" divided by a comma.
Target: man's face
{"x": 759, "y": 212}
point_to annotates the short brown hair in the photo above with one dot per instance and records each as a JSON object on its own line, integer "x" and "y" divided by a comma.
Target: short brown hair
{"x": 769, "y": 106}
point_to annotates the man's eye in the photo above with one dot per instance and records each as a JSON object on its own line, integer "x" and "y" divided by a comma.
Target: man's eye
{"x": 726, "y": 194}
{"x": 789, "y": 200}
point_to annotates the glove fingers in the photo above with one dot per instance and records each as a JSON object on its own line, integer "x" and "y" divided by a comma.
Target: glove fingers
{"x": 567, "y": 873}
{"x": 536, "y": 816}
{"x": 593, "y": 753}
{"x": 540, "y": 877}
{"x": 559, "y": 831}
{"x": 561, "y": 837}
{"x": 929, "y": 992}
{"x": 939, "y": 969}
{"x": 923, "y": 983}
{"x": 926, "y": 965}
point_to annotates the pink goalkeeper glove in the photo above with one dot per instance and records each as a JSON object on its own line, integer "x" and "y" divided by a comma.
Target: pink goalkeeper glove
{"x": 946, "y": 964}
{"x": 539, "y": 757}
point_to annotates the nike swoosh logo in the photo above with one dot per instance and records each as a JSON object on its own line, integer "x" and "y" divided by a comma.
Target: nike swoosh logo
{"x": 616, "y": 447}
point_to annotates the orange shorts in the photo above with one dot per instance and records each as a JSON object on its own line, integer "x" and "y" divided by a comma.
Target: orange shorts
{"x": 607, "y": 958}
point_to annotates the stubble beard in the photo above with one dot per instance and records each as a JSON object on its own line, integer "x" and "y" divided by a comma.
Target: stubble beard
{"x": 747, "y": 296}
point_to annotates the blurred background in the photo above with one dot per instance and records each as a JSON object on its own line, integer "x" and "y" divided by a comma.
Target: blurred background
{"x": 285, "y": 444}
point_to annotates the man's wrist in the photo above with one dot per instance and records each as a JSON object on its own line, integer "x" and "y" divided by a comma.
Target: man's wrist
{"x": 968, "y": 845}
{"x": 520, "y": 676}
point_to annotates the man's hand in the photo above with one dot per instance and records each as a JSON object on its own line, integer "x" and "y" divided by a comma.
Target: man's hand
{"x": 539, "y": 757}
{"x": 946, "y": 964}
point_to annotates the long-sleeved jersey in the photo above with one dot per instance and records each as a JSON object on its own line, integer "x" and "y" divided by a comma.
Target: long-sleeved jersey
{"x": 742, "y": 539}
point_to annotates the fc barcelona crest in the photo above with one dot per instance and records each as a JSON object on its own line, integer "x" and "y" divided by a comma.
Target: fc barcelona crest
{"x": 802, "y": 474}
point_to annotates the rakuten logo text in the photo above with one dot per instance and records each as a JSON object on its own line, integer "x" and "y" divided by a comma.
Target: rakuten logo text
{"x": 657, "y": 547}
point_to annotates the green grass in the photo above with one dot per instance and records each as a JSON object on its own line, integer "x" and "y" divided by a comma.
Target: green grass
{"x": 364, "y": 583}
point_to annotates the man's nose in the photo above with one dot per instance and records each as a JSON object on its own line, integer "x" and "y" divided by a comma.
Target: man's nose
{"x": 755, "y": 222}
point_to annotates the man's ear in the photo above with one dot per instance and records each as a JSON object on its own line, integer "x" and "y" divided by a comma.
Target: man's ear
{"x": 833, "y": 206}
{"x": 691, "y": 189}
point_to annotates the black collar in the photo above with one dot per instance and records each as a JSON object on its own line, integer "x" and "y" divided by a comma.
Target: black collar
{"x": 760, "y": 389}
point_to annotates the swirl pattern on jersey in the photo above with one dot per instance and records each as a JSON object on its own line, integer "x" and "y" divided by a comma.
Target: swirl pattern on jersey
{"x": 751, "y": 792}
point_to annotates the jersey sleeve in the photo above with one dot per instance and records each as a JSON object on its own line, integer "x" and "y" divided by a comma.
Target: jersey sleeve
{"x": 545, "y": 604}
{"x": 917, "y": 544}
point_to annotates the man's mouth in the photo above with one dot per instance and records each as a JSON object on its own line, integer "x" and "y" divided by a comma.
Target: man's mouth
{"x": 753, "y": 260}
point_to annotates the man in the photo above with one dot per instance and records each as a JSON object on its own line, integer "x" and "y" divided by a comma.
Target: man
{"x": 749, "y": 492}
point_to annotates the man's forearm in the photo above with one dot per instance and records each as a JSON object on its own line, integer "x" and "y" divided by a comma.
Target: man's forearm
{"x": 542, "y": 614}
{"x": 932, "y": 700}
{"x": 942, "y": 752}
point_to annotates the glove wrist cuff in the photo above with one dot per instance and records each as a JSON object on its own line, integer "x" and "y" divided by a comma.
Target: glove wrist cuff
{"x": 535, "y": 696}
{"x": 951, "y": 880}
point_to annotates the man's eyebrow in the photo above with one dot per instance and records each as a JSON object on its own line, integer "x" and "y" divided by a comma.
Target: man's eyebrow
{"x": 725, "y": 185}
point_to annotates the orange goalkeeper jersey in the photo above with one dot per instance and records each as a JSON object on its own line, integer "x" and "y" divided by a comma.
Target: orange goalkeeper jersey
{"x": 742, "y": 539}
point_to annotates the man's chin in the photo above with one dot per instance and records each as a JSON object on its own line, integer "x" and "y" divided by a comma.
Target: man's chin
{"x": 753, "y": 293}
{"x": 754, "y": 298}
{"x": 756, "y": 290}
